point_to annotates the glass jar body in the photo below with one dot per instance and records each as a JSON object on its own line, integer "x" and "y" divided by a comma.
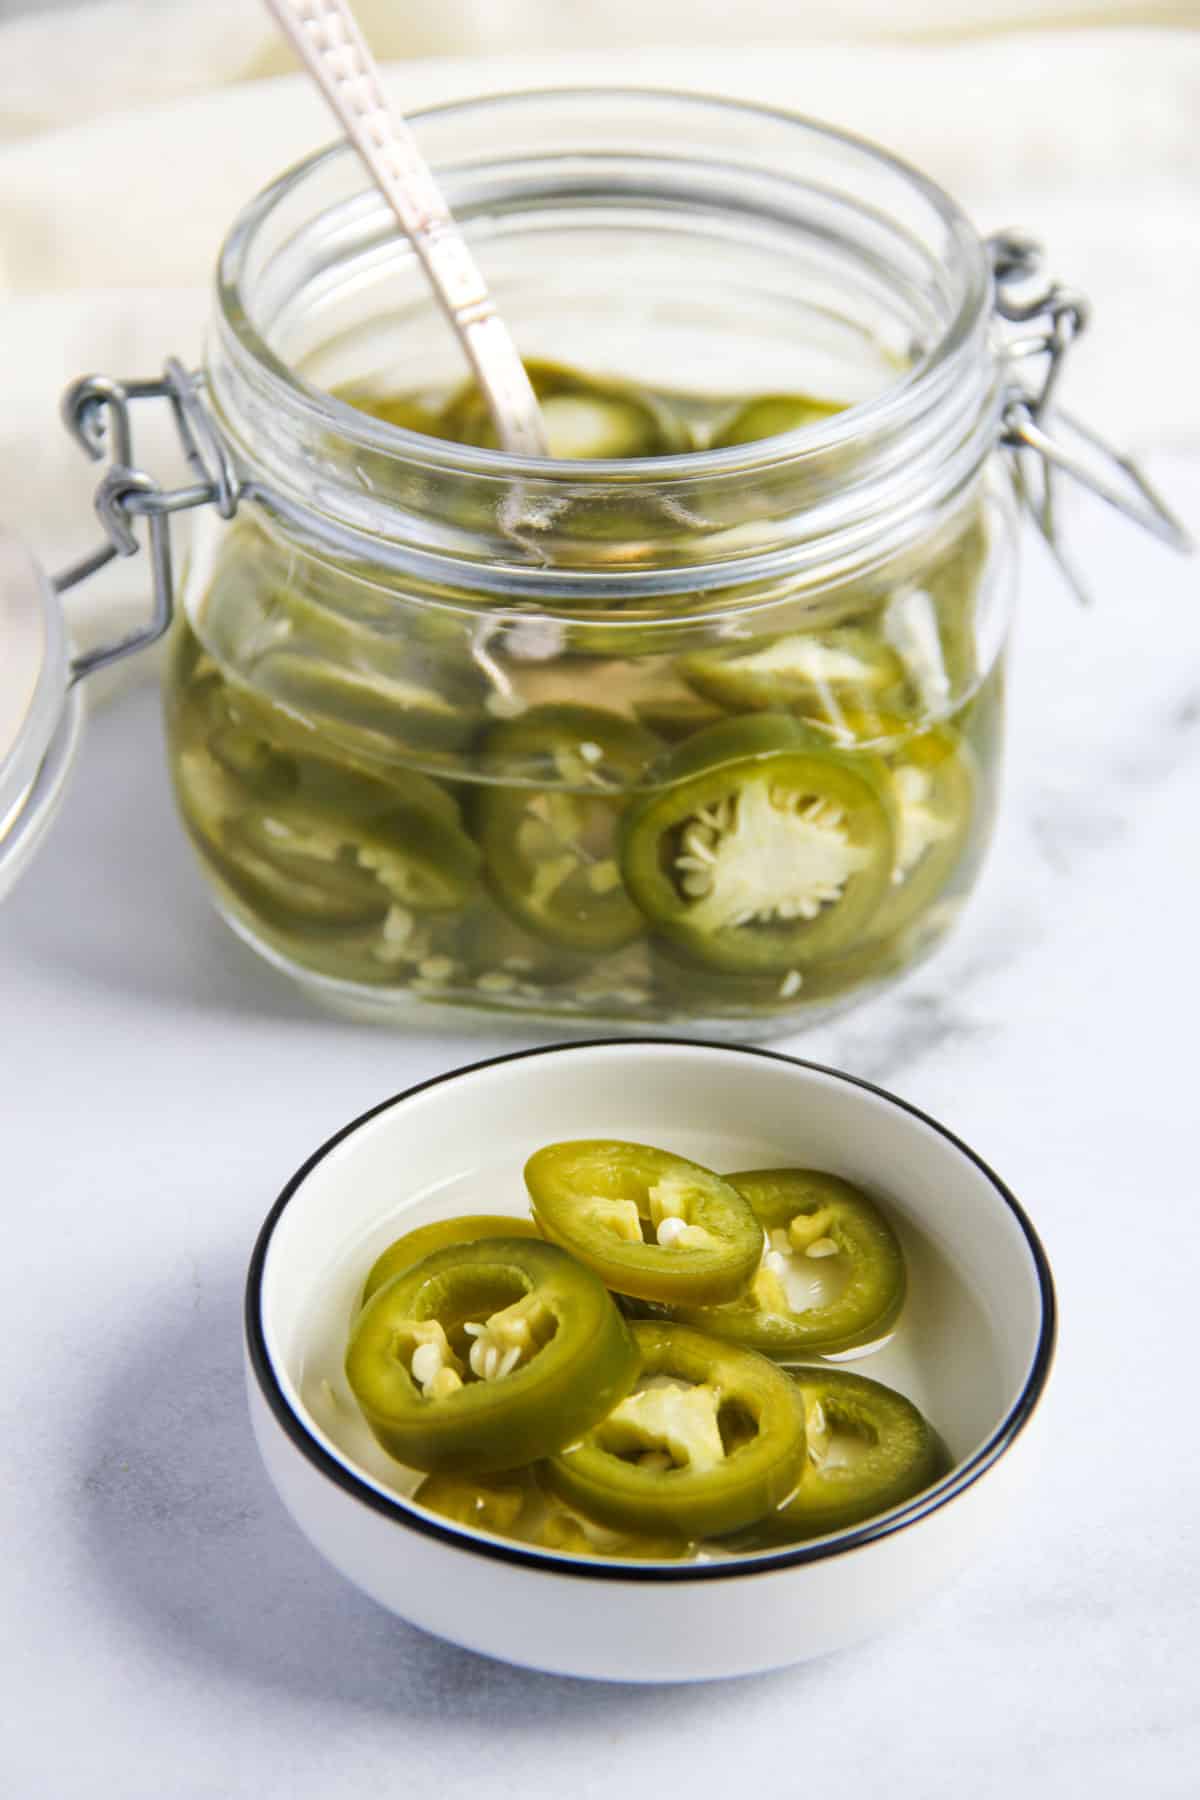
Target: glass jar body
{"x": 709, "y": 741}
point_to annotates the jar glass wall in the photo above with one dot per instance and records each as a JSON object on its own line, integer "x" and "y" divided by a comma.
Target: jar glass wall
{"x": 705, "y": 737}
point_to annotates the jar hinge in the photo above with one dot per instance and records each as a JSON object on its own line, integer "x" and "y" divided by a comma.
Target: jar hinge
{"x": 1060, "y": 314}
{"x": 96, "y": 411}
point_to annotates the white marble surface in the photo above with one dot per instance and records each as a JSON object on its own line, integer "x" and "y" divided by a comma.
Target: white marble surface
{"x": 169, "y": 1633}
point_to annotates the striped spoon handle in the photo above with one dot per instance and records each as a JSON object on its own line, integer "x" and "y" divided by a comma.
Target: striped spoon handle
{"x": 328, "y": 40}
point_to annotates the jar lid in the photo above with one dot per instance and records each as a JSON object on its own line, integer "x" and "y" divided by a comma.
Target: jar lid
{"x": 39, "y": 709}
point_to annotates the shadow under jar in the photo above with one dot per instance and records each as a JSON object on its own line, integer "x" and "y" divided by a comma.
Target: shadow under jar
{"x": 708, "y": 737}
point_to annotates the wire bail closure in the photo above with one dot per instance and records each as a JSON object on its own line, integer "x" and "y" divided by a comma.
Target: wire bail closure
{"x": 1060, "y": 314}
{"x": 97, "y": 412}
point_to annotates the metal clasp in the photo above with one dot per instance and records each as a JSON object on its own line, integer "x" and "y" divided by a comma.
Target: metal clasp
{"x": 1024, "y": 297}
{"x": 96, "y": 411}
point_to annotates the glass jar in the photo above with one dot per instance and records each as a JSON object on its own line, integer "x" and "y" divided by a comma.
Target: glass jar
{"x": 709, "y": 738}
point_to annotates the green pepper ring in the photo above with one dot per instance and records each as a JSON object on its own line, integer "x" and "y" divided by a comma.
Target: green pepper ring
{"x": 862, "y": 1313}
{"x": 472, "y": 1228}
{"x": 278, "y": 757}
{"x": 755, "y": 1476}
{"x": 254, "y": 789}
{"x": 412, "y": 857}
{"x": 942, "y": 755}
{"x": 293, "y": 891}
{"x": 375, "y": 713}
{"x": 578, "y": 1376}
{"x": 599, "y": 922}
{"x": 466, "y": 419}
{"x": 516, "y": 1504}
{"x": 715, "y": 675}
{"x": 737, "y": 996}
{"x": 771, "y": 415}
{"x": 717, "y": 764}
{"x": 953, "y": 585}
{"x": 559, "y": 1176}
{"x": 902, "y": 1456}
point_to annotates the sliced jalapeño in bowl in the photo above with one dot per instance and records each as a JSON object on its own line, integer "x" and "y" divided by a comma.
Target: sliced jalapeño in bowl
{"x": 404, "y": 1253}
{"x": 867, "y": 1450}
{"x": 832, "y": 1276}
{"x": 710, "y": 1440}
{"x": 653, "y": 1225}
{"x": 488, "y": 1355}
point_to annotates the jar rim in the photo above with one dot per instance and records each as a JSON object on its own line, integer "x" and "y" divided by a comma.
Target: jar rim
{"x": 880, "y": 411}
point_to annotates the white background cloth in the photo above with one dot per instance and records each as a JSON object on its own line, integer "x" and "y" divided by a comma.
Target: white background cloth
{"x": 109, "y": 229}
{"x": 72, "y": 60}
{"x": 168, "y": 1632}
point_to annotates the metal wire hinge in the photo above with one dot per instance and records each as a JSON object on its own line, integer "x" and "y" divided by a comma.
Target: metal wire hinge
{"x": 1058, "y": 315}
{"x": 96, "y": 411}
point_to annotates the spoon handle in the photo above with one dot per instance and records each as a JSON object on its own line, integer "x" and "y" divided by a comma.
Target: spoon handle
{"x": 328, "y": 40}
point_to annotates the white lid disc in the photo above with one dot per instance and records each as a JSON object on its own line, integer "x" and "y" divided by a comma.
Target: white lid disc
{"x": 39, "y": 711}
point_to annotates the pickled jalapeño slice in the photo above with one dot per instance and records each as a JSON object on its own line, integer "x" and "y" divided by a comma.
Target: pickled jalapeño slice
{"x": 392, "y": 409}
{"x": 651, "y": 1224}
{"x": 488, "y": 1356}
{"x": 710, "y": 1440}
{"x": 307, "y": 841}
{"x": 935, "y": 800}
{"x": 762, "y": 847}
{"x": 868, "y": 1449}
{"x": 406, "y": 1252}
{"x": 815, "y": 674}
{"x": 517, "y": 1504}
{"x": 373, "y": 713}
{"x": 831, "y": 1276}
{"x": 584, "y": 417}
{"x": 550, "y": 850}
{"x": 935, "y": 788}
{"x": 770, "y": 415}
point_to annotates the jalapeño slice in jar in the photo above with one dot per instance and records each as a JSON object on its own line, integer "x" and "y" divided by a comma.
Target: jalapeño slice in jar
{"x": 488, "y": 1356}
{"x": 762, "y": 846}
{"x": 306, "y": 839}
{"x": 676, "y": 716}
{"x": 935, "y": 790}
{"x": 584, "y": 417}
{"x": 291, "y": 889}
{"x": 416, "y": 1245}
{"x": 651, "y": 1224}
{"x": 710, "y": 1440}
{"x": 816, "y": 674}
{"x": 831, "y": 1278}
{"x": 517, "y": 1505}
{"x": 937, "y": 618}
{"x": 373, "y": 712}
{"x": 868, "y": 1450}
{"x": 405, "y": 855}
{"x": 392, "y": 409}
{"x": 550, "y": 851}
{"x": 771, "y": 415}
{"x": 678, "y": 982}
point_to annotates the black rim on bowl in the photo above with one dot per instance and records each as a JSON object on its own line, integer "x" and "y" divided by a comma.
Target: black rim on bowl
{"x": 963, "y": 1476}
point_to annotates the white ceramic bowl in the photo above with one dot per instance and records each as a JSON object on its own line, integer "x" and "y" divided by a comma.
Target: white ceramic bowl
{"x": 973, "y": 1350}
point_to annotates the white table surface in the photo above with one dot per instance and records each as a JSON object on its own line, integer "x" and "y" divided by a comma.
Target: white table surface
{"x": 168, "y": 1633}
